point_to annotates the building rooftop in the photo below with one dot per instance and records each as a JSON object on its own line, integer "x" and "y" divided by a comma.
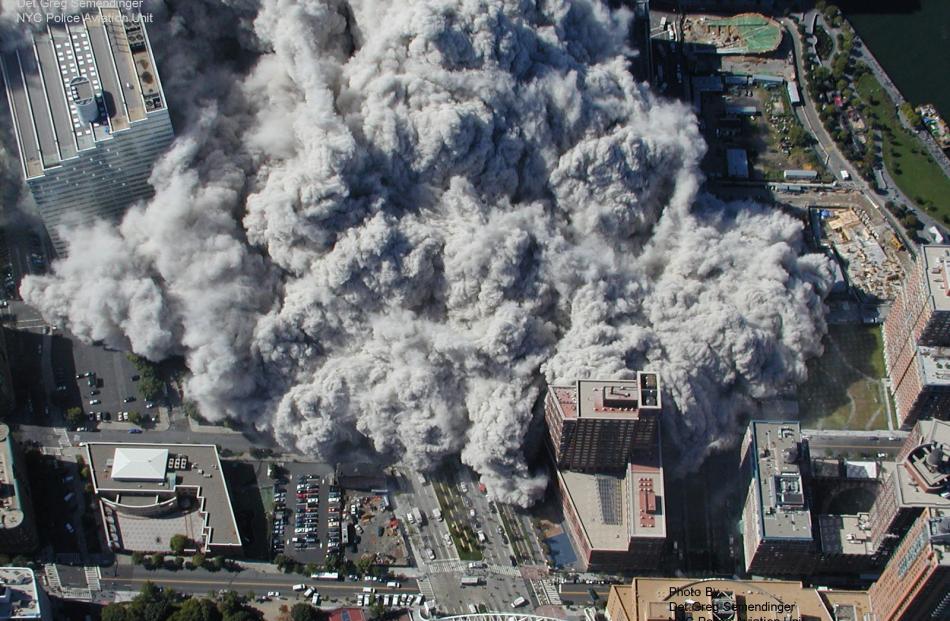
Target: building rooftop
{"x": 125, "y": 473}
{"x": 845, "y": 534}
{"x": 614, "y": 509}
{"x": 781, "y": 495}
{"x": 934, "y": 365}
{"x": 737, "y": 163}
{"x": 938, "y": 531}
{"x": 923, "y": 476}
{"x": 11, "y": 511}
{"x": 600, "y": 399}
{"x": 19, "y": 594}
{"x": 139, "y": 464}
{"x": 936, "y": 259}
{"x": 79, "y": 83}
{"x": 669, "y": 599}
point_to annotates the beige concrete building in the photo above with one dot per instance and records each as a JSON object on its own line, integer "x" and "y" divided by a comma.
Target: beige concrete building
{"x": 673, "y": 599}
{"x": 148, "y": 493}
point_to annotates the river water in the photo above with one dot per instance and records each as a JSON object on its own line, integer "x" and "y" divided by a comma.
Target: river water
{"x": 911, "y": 40}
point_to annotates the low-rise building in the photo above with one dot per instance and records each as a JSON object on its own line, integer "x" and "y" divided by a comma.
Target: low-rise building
{"x": 20, "y": 595}
{"x": 148, "y": 493}
{"x": 17, "y": 529}
{"x": 675, "y": 599}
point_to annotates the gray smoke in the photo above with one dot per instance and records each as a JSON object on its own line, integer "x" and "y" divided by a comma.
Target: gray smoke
{"x": 387, "y": 222}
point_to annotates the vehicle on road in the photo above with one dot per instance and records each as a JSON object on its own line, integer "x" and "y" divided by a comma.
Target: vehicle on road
{"x": 135, "y": 430}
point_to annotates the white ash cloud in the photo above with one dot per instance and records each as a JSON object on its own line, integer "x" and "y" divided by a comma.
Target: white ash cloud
{"x": 387, "y": 223}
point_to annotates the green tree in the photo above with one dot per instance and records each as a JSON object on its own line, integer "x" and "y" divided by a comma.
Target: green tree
{"x": 178, "y": 544}
{"x": 377, "y": 610}
{"x": 135, "y": 417}
{"x": 75, "y": 417}
{"x": 217, "y": 563}
{"x": 195, "y": 609}
{"x": 304, "y": 612}
{"x": 153, "y": 603}
{"x": 233, "y": 607}
{"x": 151, "y": 387}
{"x": 198, "y": 560}
{"x": 798, "y": 136}
{"x": 138, "y": 558}
{"x": 115, "y": 612}
{"x": 157, "y": 560}
{"x": 911, "y": 114}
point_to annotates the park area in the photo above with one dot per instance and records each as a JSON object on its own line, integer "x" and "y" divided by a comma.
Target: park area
{"x": 911, "y": 167}
{"x": 845, "y": 388}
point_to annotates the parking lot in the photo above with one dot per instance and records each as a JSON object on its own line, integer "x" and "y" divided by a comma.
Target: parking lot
{"x": 307, "y": 512}
{"x": 101, "y": 381}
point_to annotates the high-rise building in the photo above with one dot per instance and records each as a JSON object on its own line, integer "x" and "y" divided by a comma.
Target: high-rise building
{"x": 915, "y": 585}
{"x": 90, "y": 117}
{"x": 604, "y": 438}
{"x": 777, "y": 525}
{"x": 680, "y": 599}
{"x": 917, "y": 339}
{"x": 596, "y": 426}
{"x": 919, "y": 480}
{"x": 17, "y": 530}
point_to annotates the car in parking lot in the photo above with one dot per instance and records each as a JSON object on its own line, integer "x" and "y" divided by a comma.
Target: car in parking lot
{"x": 94, "y": 402}
{"x": 129, "y": 399}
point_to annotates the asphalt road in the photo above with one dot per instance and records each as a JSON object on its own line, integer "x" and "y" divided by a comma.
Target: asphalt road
{"x": 259, "y": 583}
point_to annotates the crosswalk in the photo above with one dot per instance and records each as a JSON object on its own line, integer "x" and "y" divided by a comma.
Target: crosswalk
{"x": 551, "y": 592}
{"x": 425, "y": 587}
{"x": 447, "y": 566}
{"x": 92, "y": 578}
{"x": 504, "y": 570}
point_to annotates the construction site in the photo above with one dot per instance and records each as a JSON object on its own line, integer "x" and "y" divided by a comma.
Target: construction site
{"x": 871, "y": 264}
{"x": 748, "y": 33}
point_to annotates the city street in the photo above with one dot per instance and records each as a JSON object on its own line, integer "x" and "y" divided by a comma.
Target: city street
{"x": 500, "y": 583}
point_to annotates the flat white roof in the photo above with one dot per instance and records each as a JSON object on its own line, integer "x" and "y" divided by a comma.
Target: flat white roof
{"x": 139, "y": 464}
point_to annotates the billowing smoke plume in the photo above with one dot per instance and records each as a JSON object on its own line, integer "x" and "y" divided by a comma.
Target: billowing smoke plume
{"x": 391, "y": 221}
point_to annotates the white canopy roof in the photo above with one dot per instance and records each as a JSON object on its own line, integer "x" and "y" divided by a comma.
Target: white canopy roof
{"x": 139, "y": 464}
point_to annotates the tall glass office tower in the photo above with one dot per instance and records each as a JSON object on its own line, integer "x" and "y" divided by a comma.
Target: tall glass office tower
{"x": 90, "y": 117}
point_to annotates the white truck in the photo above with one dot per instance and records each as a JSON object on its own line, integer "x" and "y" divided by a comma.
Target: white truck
{"x": 437, "y": 514}
{"x": 519, "y": 602}
{"x": 419, "y": 516}
{"x": 481, "y": 536}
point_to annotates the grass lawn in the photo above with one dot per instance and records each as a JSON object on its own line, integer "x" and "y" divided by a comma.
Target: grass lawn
{"x": 907, "y": 160}
{"x": 844, "y": 388}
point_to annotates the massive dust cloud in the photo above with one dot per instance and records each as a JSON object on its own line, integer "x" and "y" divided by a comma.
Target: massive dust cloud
{"x": 390, "y": 223}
